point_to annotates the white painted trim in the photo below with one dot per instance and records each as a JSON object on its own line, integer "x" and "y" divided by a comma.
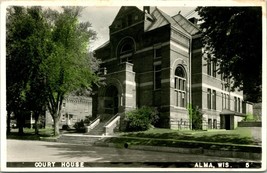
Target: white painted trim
{"x": 157, "y": 63}
{"x": 139, "y": 51}
{"x": 118, "y": 72}
{"x": 145, "y": 84}
{"x": 204, "y": 85}
{"x": 165, "y": 80}
{"x": 109, "y": 60}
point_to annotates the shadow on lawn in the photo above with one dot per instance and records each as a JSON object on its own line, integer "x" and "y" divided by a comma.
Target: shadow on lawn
{"x": 219, "y": 138}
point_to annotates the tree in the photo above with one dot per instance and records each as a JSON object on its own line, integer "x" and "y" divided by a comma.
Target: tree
{"x": 26, "y": 32}
{"x": 68, "y": 68}
{"x": 233, "y": 36}
{"x": 47, "y": 59}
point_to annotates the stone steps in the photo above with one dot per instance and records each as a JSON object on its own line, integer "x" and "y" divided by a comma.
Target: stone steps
{"x": 79, "y": 139}
{"x": 99, "y": 129}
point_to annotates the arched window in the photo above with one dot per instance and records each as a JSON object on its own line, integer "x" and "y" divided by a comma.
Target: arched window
{"x": 180, "y": 86}
{"x": 126, "y": 50}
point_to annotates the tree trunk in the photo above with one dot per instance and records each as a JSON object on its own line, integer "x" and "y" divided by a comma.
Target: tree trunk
{"x": 8, "y": 129}
{"x": 36, "y": 117}
{"x": 20, "y": 122}
{"x": 56, "y": 124}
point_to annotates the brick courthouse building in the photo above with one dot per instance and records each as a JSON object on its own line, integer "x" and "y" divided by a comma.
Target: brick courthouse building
{"x": 153, "y": 59}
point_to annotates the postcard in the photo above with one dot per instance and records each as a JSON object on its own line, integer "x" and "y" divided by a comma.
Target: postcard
{"x": 133, "y": 86}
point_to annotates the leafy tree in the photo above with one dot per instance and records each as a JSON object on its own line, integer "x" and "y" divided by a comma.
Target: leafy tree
{"x": 36, "y": 94}
{"x": 68, "y": 68}
{"x": 233, "y": 36}
{"x": 25, "y": 49}
{"x": 47, "y": 59}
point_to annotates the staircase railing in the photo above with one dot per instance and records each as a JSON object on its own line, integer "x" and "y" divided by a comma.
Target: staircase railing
{"x": 112, "y": 124}
{"x": 93, "y": 124}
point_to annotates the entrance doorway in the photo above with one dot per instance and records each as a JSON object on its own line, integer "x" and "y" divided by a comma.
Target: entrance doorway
{"x": 227, "y": 122}
{"x": 111, "y": 100}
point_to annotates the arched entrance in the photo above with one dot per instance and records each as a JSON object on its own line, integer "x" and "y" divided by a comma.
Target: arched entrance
{"x": 111, "y": 100}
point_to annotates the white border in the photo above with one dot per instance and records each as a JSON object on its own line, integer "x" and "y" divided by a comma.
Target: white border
{"x": 181, "y": 3}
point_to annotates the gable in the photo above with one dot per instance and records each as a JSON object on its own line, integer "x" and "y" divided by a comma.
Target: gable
{"x": 162, "y": 19}
{"x": 127, "y": 16}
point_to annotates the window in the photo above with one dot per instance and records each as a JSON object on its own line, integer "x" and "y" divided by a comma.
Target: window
{"x": 214, "y": 68}
{"x": 214, "y": 99}
{"x": 130, "y": 19}
{"x": 126, "y": 48}
{"x": 157, "y": 76}
{"x": 238, "y": 105}
{"x": 209, "y": 99}
{"x": 180, "y": 87}
{"x": 209, "y": 123}
{"x": 235, "y": 103}
{"x": 157, "y": 52}
{"x": 208, "y": 67}
{"x": 228, "y": 96}
{"x": 214, "y": 124}
{"x": 126, "y": 53}
{"x": 225, "y": 101}
{"x": 222, "y": 101}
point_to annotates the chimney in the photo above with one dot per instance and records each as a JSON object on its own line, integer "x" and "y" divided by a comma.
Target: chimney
{"x": 146, "y": 9}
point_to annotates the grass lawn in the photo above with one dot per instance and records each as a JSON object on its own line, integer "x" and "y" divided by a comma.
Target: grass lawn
{"x": 238, "y": 136}
{"x": 29, "y": 134}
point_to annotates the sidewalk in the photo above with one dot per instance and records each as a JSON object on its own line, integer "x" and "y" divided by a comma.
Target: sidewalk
{"x": 97, "y": 140}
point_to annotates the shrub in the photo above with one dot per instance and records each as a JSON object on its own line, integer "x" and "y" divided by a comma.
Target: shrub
{"x": 195, "y": 117}
{"x": 79, "y": 126}
{"x": 141, "y": 119}
{"x": 65, "y": 127}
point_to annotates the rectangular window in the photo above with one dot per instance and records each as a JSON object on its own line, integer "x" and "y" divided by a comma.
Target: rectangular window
{"x": 182, "y": 99}
{"x": 238, "y": 105}
{"x": 214, "y": 68}
{"x": 228, "y": 96}
{"x": 225, "y": 101}
{"x": 176, "y": 83}
{"x": 157, "y": 52}
{"x": 209, "y": 123}
{"x": 176, "y": 98}
{"x": 222, "y": 101}
{"x": 130, "y": 19}
{"x": 214, "y": 99}
{"x": 209, "y": 99}
{"x": 157, "y": 76}
{"x": 208, "y": 67}
{"x": 214, "y": 124}
{"x": 235, "y": 104}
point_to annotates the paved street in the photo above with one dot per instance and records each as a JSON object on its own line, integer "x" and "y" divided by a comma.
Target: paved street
{"x": 32, "y": 151}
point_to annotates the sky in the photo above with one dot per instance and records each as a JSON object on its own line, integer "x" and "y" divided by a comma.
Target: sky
{"x": 101, "y": 18}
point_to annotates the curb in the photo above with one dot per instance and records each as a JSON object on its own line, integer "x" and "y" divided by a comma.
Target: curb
{"x": 200, "y": 151}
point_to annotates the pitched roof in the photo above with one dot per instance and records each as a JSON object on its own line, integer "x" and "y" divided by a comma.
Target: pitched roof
{"x": 103, "y": 45}
{"x": 163, "y": 19}
{"x": 178, "y": 21}
{"x": 188, "y": 26}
